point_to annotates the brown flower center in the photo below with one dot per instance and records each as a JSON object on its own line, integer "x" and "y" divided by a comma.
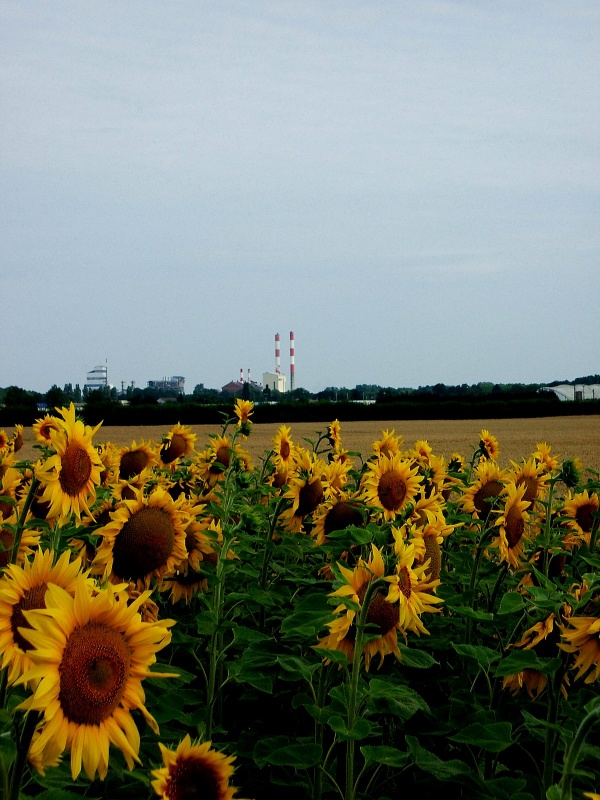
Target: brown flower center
{"x": 191, "y": 778}
{"x": 490, "y": 489}
{"x": 222, "y": 460}
{"x": 144, "y": 543}
{"x": 381, "y": 613}
{"x": 392, "y": 490}
{"x": 309, "y": 497}
{"x": 433, "y": 551}
{"x": 514, "y": 526}
{"x": 93, "y": 673}
{"x": 132, "y": 463}
{"x": 284, "y": 450}
{"x": 531, "y": 489}
{"x": 404, "y": 582}
{"x": 76, "y": 468}
{"x": 32, "y": 598}
{"x": 342, "y": 515}
{"x": 584, "y": 518}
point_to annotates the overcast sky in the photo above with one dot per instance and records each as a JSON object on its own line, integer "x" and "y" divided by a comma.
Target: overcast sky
{"x": 411, "y": 187}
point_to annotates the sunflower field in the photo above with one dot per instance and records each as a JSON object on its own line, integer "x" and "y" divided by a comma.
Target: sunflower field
{"x": 321, "y": 624}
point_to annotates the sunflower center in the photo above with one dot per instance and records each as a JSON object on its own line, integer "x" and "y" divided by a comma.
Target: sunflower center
{"x": 76, "y": 468}
{"x": 144, "y": 543}
{"x": 94, "y": 670}
{"x": 309, "y": 497}
{"x": 490, "y": 489}
{"x": 341, "y": 516}
{"x": 531, "y": 488}
{"x": 514, "y": 526}
{"x": 132, "y": 463}
{"x": 433, "y": 551}
{"x": 222, "y": 460}
{"x": 178, "y": 445}
{"x": 32, "y": 598}
{"x": 392, "y": 490}
{"x": 284, "y": 450}
{"x": 381, "y": 613}
{"x": 584, "y": 518}
{"x": 405, "y": 582}
{"x": 191, "y": 779}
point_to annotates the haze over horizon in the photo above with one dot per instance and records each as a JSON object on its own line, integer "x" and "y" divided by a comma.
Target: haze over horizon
{"x": 413, "y": 189}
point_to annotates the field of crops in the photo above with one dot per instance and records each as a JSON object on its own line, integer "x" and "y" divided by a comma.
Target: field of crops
{"x": 361, "y": 611}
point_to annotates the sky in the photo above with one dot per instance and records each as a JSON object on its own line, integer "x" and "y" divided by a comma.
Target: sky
{"x": 412, "y": 188}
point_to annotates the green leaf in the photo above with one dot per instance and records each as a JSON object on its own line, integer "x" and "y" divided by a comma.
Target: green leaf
{"x": 380, "y": 754}
{"x": 554, "y": 793}
{"x": 494, "y": 736}
{"x": 296, "y": 667}
{"x": 484, "y": 656}
{"x": 465, "y": 611}
{"x": 8, "y": 750}
{"x": 396, "y": 699}
{"x": 336, "y": 656}
{"x": 360, "y": 730}
{"x": 428, "y": 762}
{"x": 58, "y": 794}
{"x": 418, "y": 659}
{"x": 512, "y": 602}
{"x": 519, "y": 660}
{"x": 277, "y": 751}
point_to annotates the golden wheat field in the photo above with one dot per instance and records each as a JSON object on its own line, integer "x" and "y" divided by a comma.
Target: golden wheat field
{"x": 569, "y": 436}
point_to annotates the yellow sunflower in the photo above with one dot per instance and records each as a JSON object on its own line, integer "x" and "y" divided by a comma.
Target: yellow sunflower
{"x": 543, "y": 638}
{"x": 17, "y": 442}
{"x": 511, "y": 523}
{"x": 544, "y": 456}
{"x": 179, "y": 442}
{"x": 389, "y": 445}
{"x": 585, "y": 641}
{"x": 283, "y": 447}
{"x": 9, "y": 487}
{"x": 535, "y": 477}
{"x": 134, "y": 459}
{"x": 91, "y": 653}
{"x": 306, "y": 491}
{"x": 334, "y": 434}
{"x": 243, "y": 409}
{"x": 487, "y": 485}
{"x": 71, "y": 475}
{"x": 144, "y": 539}
{"x": 23, "y": 588}
{"x": 488, "y": 445}
{"x": 411, "y": 586}
{"x": 390, "y": 485}
{"x": 4, "y": 440}
{"x": 194, "y": 770}
{"x": 335, "y": 514}
{"x": 42, "y": 428}
{"x": 428, "y": 537}
{"x": 29, "y": 539}
{"x": 579, "y": 510}
{"x": 382, "y": 613}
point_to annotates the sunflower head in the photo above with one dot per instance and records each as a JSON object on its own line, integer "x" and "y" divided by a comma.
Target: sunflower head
{"x": 42, "y": 428}
{"x": 390, "y": 485}
{"x": 488, "y": 445}
{"x": 179, "y": 442}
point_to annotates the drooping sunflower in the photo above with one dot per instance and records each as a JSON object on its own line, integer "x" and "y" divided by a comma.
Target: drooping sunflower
{"x": 488, "y": 445}
{"x": 70, "y": 477}
{"x": 179, "y": 442}
{"x": 428, "y": 538}
{"x": 390, "y": 485}
{"x": 382, "y": 613}
{"x": 144, "y": 539}
{"x": 584, "y": 640}
{"x": 306, "y": 491}
{"x": 194, "y": 770}
{"x": 534, "y": 475}
{"x": 411, "y": 586}
{"x": 389, "y": 445}
{"x": 243, "y": 410}
{"x": 23, "y": 588}
{"x": 334, "y": 434}
{"x": 42, "y": 428}
{"x": 487, "y": 485}
{"x": 91, "y": 653}
{"x": 543, "y": 638}
{"x": 4, "y": 440}
{"x": 29, "y": 540}
{"x": 511, "y": 523}
{"x": 337, "y": 513}
{"x": 11, "y": 480}
{"x": 134, "y": 459}
{"x": 17, "y": 440}
{"x": 579, "y": 509}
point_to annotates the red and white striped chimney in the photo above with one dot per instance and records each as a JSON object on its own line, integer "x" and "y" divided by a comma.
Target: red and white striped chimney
{"x": 241, "y": 374}
{"x": 277, "y": 355}
{"x": 292, "y": 364}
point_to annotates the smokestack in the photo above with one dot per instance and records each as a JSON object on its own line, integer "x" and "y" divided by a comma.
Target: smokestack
{"x": 241, "y": 374}
{"x": 248, "y": 374}
{"x": 277, "y": 355}
{"x": 292, "y": 364}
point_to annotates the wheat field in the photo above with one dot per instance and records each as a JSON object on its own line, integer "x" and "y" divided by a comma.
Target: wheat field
{"x": 569, "y": 436}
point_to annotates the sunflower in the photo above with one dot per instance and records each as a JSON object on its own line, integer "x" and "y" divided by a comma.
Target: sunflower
{"x": 544, "y": 456}
{"x": 144, "y": 539}
{"x": 91, "y": 653}
{"x": 389, "y": 445}
{"x": 334, "y": 435}
{"x": 187, "y": 579}
{"x": 390, "y": 485}
{"x": 579, "y": 510}
{"x": 29, "y": 539}
{"x": 71, "y": 475}
{"x": 428, "y": 537}
{"x": 283, "y": 447}
{"x": 411, "y": 586}
{"x": 9, "y": 487}
{"x": 543, "y": 639}
{"x": 381, "y": 613}
{"x": 21, "y": 589}
{"x": 335, "y": 514}
{"x": 134, "y": 459}
{"x": 4, "y": 440}
{"x": 194, "y": 770}
{"x": 243, "y": 409}
{"x": 42, "y": 428}
{"x": 488, "y": 485}
{"x": 306, "y": 491}
{"x": 511, "y": 523}
{"x": 179, "y": 442}
{"x": 16, "y": 442}
{"x": 585, "y": 641}
{"x": 535, "y": 477}
{"x": 488, "y": 445}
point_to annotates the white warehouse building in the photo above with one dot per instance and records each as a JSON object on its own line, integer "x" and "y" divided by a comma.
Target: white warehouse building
{"x": 578, "y": 391}
{"x": 97, "y": 378}
{"x": 275, "y": 381}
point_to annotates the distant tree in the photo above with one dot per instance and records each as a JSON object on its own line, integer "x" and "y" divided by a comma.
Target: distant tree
{"x": 77, "y": 394}
{"x": 55, "y": 397}
{"x": 15, "y": 397}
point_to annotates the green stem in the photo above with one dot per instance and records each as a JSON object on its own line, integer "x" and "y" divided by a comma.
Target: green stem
{"x": 550, "y": 738}
{"x": 31, "y": 720}
{"x": 499, "y": 582}
{"x": 33, "y": 487}
{"x": 473, "y": 580}
{"x": 573, "y": 752}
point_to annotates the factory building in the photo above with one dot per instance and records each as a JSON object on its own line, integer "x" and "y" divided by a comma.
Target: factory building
{"x": 97, "y": 378}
